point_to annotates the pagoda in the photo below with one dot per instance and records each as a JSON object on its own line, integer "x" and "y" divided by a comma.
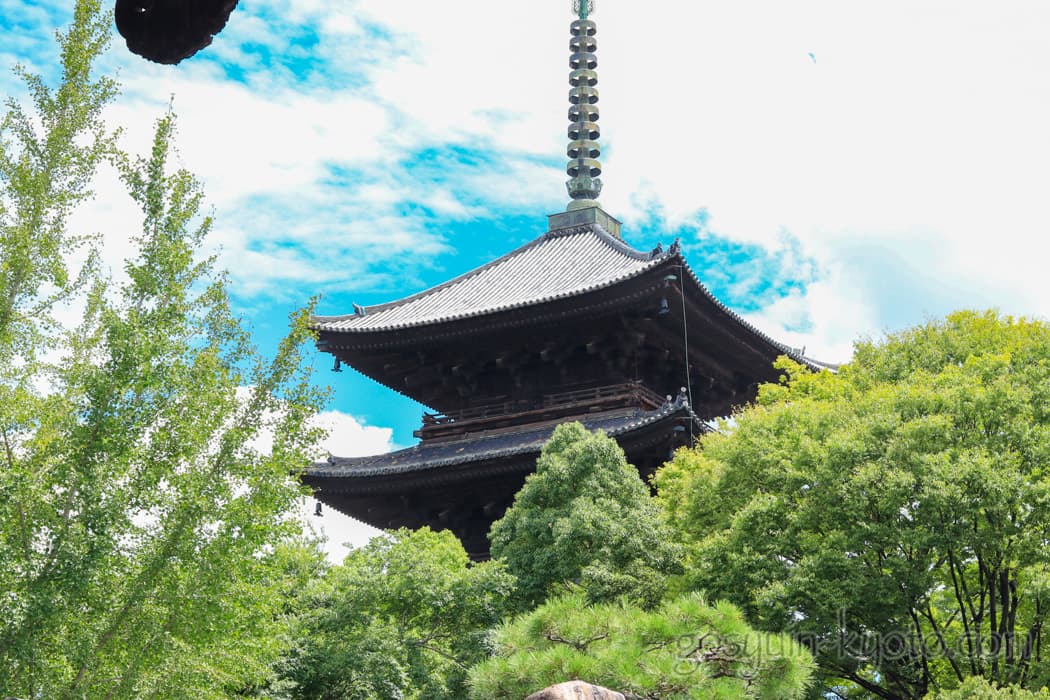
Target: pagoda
{"x": 576, "y": 325}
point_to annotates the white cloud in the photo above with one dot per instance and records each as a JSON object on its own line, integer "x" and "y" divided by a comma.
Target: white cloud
{"x": 249, "y": 144}
{"x": 917, "y": 134}
{"x": 347, "y": 437}
{"x": 908, "y": 159}
{"x": 282, "y": 170}
{"x": 913, "y": 147}
{"x": 340, "y": 533}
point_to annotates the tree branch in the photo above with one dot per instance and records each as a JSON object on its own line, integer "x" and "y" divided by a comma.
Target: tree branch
{"x": 440, "y": 652}
{"x": 580, "y": 646}
{"x": 928, "y": 614}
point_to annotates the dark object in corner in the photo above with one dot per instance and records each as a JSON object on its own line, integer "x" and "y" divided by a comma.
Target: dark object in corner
{"x": 167, "y": 31}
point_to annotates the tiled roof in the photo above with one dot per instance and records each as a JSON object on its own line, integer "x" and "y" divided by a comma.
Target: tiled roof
{"x": 556, "y": 265}
{"x": 483, "y": 446}
{"x": 559, "y": 264}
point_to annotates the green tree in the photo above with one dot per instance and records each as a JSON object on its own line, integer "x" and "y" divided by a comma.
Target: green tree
{"x": 980, "y": 689}
{"x": 143, "y": 541}
{"x": 683, "y": 649}
{"x": 402, "y": 618}
{"x": 894, "y": 514}
{"x": 585, "y": 516}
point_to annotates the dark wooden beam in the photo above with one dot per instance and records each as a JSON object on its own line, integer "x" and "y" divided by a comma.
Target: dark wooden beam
{"x": 423, "y": 375}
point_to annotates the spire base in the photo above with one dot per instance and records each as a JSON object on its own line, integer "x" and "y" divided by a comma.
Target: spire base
{"x": 581, "y": 212}
{"x": 577, "y": 204}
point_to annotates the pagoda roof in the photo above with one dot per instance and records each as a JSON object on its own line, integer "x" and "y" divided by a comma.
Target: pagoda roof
{"x": 493, "y": 445}
{"x": 557, "y": 265}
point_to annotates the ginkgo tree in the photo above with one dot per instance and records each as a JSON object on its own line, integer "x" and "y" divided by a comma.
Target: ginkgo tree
{"x": 144, "y": 544}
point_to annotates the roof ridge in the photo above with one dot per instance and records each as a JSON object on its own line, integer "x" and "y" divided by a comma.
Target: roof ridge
{"x": 617, "y": 244}
{"x": 430, "y": 290}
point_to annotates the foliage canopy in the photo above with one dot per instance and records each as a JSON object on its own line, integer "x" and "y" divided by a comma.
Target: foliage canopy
{"x": 894, "y": 514}
{"x": 402, "y": 618}
{"x": 682, "y": 649}
{"x": 586, "y": 516}
{"x": 979, "y": 689}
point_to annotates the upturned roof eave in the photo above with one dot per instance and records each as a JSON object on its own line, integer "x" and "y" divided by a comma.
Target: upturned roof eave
{"x": 672, "y": 257}
{"x": 782, "y": 348}
{"x": 345, "y": 468}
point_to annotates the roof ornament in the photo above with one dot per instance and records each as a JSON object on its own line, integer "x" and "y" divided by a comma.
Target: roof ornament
{"x": 584, "y": 184}
{"x": 583, "y": 8}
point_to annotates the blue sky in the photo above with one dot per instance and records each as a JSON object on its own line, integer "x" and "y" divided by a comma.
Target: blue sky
{"x": 364, "y": 150}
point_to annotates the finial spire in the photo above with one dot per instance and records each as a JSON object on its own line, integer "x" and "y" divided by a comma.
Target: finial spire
{"x": 583, "y": 169}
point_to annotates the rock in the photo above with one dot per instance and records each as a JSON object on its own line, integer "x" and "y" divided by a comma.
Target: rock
{"x": 576, "y": 690}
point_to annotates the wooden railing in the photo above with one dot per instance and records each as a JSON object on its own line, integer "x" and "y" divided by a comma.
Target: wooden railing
{"x": 550, "y": 406}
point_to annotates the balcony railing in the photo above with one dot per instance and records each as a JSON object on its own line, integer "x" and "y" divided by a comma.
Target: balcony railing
{"x": 512, "y": 413}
